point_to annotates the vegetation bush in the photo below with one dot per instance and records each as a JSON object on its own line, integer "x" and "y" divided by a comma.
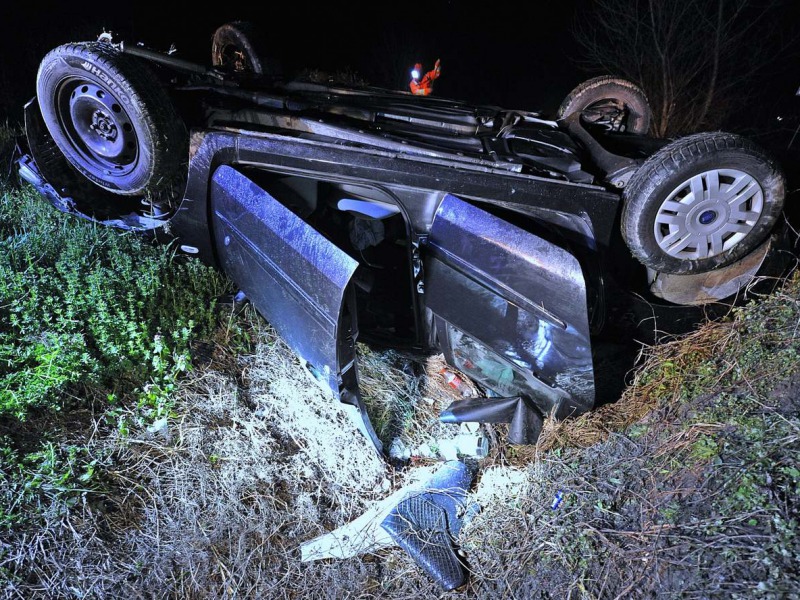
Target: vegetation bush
{"x": 83, "y": 306}
{"x": 90, "y": 317}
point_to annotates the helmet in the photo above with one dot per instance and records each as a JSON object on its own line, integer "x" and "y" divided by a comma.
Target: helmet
{"x": 416, "y": 72}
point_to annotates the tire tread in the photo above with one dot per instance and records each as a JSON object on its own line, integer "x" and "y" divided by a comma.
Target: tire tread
{"x": 166, "y": 130}
{"x": 671, "y": 159}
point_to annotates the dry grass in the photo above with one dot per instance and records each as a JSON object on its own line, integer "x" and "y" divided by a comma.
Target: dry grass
{"x": 404, "y": 394}
{"x": 654, "y": 384}
{"x": 260, "y": 459}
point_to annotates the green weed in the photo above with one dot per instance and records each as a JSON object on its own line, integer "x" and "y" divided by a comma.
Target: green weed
{"x": 82, "y": 305}
{"x": 86, "y": 312}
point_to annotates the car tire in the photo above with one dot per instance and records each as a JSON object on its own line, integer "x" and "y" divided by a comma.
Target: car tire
{"x": 240, "y": 47}
{"x": 110, "y": 117}
{"x": 701, "y": 202}
{"x": 616, "y": 103}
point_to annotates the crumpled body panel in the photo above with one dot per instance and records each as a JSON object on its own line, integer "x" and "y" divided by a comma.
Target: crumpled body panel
{"x": 295, "y": 277}
{"x": 511, "y": 308}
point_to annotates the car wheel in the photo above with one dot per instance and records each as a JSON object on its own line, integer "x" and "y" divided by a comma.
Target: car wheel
{"x": 609, "y": 101}
{"x": 110, "y": 118}
{"x": 239, "y": 47}
{"x": 701, "y": 202}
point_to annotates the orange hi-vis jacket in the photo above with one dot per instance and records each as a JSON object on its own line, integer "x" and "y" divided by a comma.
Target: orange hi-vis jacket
{"x": 424, "y": 86}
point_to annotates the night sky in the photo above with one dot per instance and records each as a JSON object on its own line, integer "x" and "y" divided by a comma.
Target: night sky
{"x": 512, "y": 54}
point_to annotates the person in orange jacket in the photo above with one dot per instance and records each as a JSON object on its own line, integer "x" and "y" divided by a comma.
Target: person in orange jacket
{"x": 424, "y": 86}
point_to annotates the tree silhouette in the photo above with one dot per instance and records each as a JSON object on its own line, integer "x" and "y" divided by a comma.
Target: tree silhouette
{"x": 697, "y": 60}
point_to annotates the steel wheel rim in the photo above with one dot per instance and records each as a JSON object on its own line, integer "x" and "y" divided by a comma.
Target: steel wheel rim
{"x": 98, "y": 128}
{"x": 708, "y": 214}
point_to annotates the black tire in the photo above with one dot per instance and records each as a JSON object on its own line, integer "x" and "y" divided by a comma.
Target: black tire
{"x": 741, "y": 190}
{"x": 240, "y": 47}
{"x": 611, "y": 101}
{"x": 110, "y": 117}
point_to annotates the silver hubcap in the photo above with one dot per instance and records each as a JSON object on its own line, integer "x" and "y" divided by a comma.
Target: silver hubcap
{"x": 708, "y": 214}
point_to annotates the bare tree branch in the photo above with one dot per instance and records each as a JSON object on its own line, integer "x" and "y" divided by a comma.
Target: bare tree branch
{"x": 695, "y": 59}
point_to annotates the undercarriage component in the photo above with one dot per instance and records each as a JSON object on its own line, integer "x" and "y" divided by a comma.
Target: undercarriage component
{"x": 618, "y": 169}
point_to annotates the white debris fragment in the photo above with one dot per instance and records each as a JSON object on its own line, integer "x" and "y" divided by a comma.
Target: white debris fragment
{"x": 365, "y": 533}
{"x": 426, "y": 451}
{"x": 398, "y": 450}
{"x": 469, "y": 427}
{"x": 466, "y": 444}
{"x": 501, "y": 485}
{"x": 158, "y": 426}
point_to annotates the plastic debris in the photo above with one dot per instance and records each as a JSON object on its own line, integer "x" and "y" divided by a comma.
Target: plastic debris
{"x": 525, "y": 419}
{"x": 425, "y": 524}
{"x": 470, "y": 427}
{"x": 465, "y": 444}
{"x": 159, "y": 427}
{"x": 423, "y": 518}
{"x": 455, "y": 382}
{"x": 399, "y": 451}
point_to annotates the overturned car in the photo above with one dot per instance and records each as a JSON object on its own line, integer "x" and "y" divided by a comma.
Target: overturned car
{"x": 531, "y": 252}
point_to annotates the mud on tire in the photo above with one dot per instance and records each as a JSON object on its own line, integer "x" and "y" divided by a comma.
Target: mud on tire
{"x": 617, "y": 103}
{"x": 241, "y": 48}
{"x": 111, "y": 118}
{"x": 701, "y": 202}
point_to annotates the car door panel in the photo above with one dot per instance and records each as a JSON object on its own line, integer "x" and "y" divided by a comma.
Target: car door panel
{"x": 510, "y": 308}
{"x": 297, "y": 279}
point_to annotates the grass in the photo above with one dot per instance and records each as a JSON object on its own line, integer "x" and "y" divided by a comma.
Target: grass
{"x": 686, "y": 487}
{"x": 91, "y": 319}
{"x": 145, "y": 462}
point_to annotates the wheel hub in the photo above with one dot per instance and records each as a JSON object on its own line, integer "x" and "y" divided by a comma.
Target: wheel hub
{"x": 707, "y": 217}
{"x": 99, "y": 127}
{"x": 708, "y": 214}
{"x": 104, "y": 126}
{"x": 609, "y": 113}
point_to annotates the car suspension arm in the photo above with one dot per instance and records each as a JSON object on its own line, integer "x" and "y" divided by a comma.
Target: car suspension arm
{"x": 618, "y": 169}
{"x": 165, "y": 59}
